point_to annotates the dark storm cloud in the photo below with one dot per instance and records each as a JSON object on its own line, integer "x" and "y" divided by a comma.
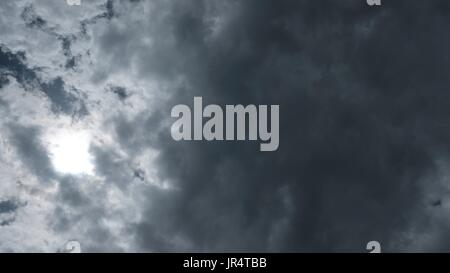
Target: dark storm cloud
{"x": 363, "y": 112}
{"x": 364, "y": 124}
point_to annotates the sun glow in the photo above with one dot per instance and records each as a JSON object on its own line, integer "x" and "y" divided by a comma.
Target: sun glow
{"x": 69, "y": 152}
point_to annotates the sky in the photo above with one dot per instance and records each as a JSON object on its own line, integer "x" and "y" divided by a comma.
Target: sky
{"x": 86, "y": 152}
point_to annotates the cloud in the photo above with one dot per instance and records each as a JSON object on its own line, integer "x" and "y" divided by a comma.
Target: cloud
{"x": 359, "y": 127}
{"x": 363, "y": 125}
{"x": 32, "y": 154}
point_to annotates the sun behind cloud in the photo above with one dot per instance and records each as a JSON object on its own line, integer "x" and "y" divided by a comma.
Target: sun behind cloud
{"x": 69, "y": 152}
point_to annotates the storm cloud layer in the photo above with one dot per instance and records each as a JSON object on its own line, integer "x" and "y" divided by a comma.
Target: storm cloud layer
{"x": 364, "y": 125}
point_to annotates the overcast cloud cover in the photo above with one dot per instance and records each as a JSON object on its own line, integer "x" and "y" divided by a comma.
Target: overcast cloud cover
{"x": 364, "y": 125}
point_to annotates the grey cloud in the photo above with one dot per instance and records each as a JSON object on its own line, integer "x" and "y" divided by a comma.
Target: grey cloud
{"x": 363, "y": 108}
{"x": 14, "y": 65}
{"x": 115, "y": 169}
{"x": 7, "y": 212}
{"x": 33, "y": 20}
{"x": 8, "y": 206}
{"x": 62, "y": 100}
{"x": 121, "y": 92}
{"x": 31, "y": 151}
{"x": 8, "y": 209}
